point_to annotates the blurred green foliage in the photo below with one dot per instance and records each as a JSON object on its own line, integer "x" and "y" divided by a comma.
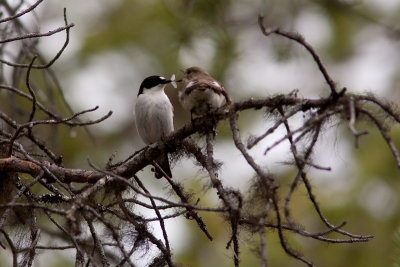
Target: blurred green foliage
{"x": 162, "y": 28}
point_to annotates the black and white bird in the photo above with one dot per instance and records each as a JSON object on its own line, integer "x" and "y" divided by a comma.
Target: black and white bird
{"x": 201, "y": 93}
{"x": 154, "y": 116}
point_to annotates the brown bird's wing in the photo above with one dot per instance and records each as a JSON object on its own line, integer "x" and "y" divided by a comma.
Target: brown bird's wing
{"x": 202, "y": 86}
{"x": 163, "y": 162}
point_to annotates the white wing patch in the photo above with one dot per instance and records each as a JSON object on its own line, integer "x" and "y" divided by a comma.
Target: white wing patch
{"x": 215, "y": 83}
{"x": 191, "y": 83}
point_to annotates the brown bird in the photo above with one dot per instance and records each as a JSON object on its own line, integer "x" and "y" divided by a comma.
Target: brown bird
{"x": 201, "y": 93}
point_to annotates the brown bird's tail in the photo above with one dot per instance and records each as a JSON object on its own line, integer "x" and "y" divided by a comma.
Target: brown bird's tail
{"x": 163, "y": 162}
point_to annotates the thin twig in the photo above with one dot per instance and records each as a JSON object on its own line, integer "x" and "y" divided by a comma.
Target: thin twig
{"x": 36, "y": 35}
{"x": 33, "y": 95}
{"x": 161, "y": 220}
{"x": 352, "y": 121}
{"x": 284, "y": 245}
{"x": 385, "y": 136}
{"x": 300, "y": 39}
{"x": 23, "y": 12}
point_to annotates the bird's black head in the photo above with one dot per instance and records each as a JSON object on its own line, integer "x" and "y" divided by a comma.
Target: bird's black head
{"x": 152, "y": 81}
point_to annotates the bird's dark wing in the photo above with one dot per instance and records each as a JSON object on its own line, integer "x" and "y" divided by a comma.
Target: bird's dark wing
{"x": 163, "y": 162}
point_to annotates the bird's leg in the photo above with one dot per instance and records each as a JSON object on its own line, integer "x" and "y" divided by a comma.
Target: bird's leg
{"x": 212, "y": 120}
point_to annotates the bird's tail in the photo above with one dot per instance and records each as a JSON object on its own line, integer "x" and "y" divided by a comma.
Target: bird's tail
{"x": 163, "y": 162}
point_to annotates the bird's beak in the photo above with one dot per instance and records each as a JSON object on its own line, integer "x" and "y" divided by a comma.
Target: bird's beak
{"x": 183, "y": 71}
{"x": 166, "y": 81}
{"x": 171, "y": 82}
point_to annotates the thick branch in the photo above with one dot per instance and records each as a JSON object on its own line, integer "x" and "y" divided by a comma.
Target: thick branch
{"x": 172, "y": 142}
